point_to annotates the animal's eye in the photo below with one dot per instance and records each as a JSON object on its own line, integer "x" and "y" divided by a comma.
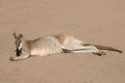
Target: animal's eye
{"x": 17, "y": 43}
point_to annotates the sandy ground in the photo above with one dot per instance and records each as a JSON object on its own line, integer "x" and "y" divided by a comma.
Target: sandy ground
{"x": 94, "y": 21}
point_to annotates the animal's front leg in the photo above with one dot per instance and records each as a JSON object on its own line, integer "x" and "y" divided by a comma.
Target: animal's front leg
{"x": 23, "y": 56}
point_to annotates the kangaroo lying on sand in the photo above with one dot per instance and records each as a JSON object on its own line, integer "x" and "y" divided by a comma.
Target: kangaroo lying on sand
{"x": 52, "y": 44}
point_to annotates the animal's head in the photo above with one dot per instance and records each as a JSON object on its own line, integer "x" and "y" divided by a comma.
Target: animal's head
{"x": 18, "y": 43}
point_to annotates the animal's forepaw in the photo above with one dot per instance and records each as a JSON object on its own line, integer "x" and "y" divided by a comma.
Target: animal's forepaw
{"x": 12, "y": 59}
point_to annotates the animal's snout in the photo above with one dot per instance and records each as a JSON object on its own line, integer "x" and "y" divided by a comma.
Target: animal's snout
{"x": 18, "y": 52}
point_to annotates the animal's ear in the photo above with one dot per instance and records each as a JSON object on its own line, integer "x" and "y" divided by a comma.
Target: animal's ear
{"x": 21, "y": 36}
{"x": 15, "y": 36}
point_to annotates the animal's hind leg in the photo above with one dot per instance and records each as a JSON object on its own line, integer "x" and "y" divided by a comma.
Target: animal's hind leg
{"x": 89, "y": 49}
{"x": 97, "y": 51}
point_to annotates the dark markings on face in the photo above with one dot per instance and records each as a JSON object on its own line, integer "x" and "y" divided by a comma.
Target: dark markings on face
{"x": 18, "y": 48}
{"x": 18, "y": 52}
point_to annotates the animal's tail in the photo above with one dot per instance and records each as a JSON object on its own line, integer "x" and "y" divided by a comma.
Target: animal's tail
{"x": 108, "y": 48}
{"x": 105, "y": 48}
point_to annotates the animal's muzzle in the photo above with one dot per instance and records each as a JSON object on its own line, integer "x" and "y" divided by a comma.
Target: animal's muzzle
{"x": 18, "y": 52}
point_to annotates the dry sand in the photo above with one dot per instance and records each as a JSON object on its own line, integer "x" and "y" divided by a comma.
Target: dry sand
{"x": 94, "y": 21}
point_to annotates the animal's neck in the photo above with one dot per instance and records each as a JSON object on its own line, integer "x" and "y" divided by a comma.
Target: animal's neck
{"x": 28, "y": 43}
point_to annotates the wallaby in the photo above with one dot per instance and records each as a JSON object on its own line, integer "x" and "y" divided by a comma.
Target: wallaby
{"x": 52, "y": 44}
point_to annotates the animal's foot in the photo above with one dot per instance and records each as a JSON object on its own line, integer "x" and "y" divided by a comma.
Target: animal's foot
{"x": 13, "y": 59}
{"x": 100, "y": 53}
